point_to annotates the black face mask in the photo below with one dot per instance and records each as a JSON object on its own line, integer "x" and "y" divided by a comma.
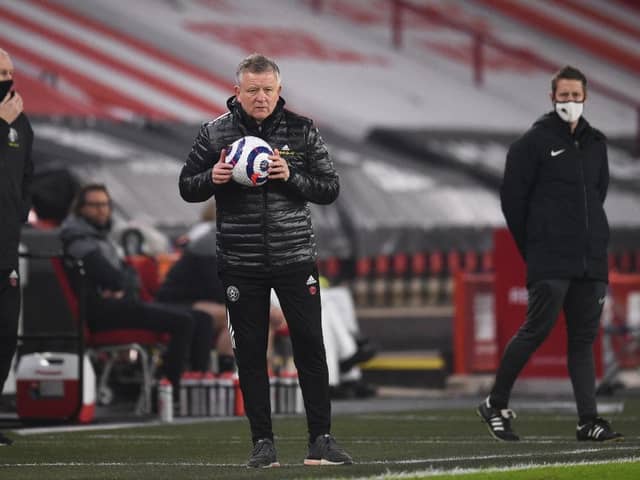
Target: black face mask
{"x": 5, "y": 86}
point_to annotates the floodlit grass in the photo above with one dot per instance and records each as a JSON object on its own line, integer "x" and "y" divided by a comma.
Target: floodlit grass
{"x": 608, "y": 471}
{"x": 423, "y": 442}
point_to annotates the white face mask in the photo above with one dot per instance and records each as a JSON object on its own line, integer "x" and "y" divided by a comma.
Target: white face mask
{"x": 569, "y": 111}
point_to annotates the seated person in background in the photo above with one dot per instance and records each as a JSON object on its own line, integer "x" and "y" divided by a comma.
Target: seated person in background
{"x": 112, "y": 288}
{"x": 344, "y": 344}
{"x": 193, "y": 281}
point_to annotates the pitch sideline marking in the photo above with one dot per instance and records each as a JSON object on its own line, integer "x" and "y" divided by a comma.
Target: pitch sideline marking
{"x": 469, "y": 471}
{"x": 113, "y": 426}
{"x": 378, "y": 462}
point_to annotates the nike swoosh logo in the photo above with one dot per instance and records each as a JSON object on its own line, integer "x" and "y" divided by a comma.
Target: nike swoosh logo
{"x": 555, "y": 153}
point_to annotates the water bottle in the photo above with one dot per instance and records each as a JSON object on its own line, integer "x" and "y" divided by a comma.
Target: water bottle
{"x": 165, "y": 400}
{"x": 210, "y": 387}
{"x": 274, "y": 383}
{"x": 226, "y": 397}
{"x": 299, "y": 408}
{"x": 238, "y": 401}
{"x": 183, "y": 410}
{"x": 196, "y": 397}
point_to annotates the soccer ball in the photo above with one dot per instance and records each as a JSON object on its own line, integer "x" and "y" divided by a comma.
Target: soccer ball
{"x": 249, "y": 157}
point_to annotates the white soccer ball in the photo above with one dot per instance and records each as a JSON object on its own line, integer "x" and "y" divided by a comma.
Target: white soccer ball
{"x": 249, "y": 157}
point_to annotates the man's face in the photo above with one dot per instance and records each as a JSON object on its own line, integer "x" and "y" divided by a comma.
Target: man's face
{"x": 258, "y": 94}
{"x": 97, "y": 208}
{"x": 568, "y": 90}
{"x": 6, "y": 67}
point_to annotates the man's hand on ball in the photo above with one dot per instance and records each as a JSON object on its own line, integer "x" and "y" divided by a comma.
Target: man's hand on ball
{"x": 221, "y": 171}
{"x": 279, "y": 168}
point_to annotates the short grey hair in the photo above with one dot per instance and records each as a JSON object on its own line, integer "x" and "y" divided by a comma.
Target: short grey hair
{"x": 257, "y": 63}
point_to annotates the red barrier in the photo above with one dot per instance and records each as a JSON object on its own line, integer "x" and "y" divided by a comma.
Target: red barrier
{"x": 474, "y": 330}
{"x": 622, "y": 318}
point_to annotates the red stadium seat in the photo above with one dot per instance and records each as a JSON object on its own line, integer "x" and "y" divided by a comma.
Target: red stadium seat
{"x": 111, "y": 343}
{"x": 147, "y": 268}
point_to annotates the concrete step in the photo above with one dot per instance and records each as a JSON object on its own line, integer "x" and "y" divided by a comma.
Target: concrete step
{"x": 408, "y": 328}
{"x": 419, "y": 369}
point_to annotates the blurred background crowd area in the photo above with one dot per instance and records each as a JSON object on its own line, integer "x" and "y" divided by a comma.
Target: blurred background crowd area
{"x": 417, "y": 100}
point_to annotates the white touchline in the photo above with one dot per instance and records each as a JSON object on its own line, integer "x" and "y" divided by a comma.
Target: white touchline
{"x": 578, "y": 451}
{"x": 122, "y": 464}
{"x": 115, "y": 426}
{"x": 380, "y": 462}
{"x": 465, "y": 471}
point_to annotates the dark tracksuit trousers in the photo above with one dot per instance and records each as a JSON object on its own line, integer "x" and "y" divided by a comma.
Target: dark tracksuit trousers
{"x": 9, "y": 313}
{"x": 248, "y": 304}
{"x": 582, "y": 301}
{"x": 191, "y": 331}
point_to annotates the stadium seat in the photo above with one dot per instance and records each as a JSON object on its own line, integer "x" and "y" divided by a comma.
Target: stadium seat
{"x": 111, "y": 343}
{"x": 164, "y": 262}
{"x": 147, "y": 268}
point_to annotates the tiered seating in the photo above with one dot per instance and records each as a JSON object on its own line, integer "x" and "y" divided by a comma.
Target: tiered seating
{"x": 110, "y": 73}
{"x": 426, "y": 278}
{"x": 423, "y": 278}
{"x": 625, "y": 261}
{"x": 535, "y": 16}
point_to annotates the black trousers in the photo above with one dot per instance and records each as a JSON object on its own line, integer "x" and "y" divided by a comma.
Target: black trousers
{"x": 9, "y": 313}
{"x": 248, "y": 303}
{"x": 582, "y": 301}
{"x": 191, "y": 331}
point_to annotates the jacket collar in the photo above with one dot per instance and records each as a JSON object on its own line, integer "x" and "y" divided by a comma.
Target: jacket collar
{"x": 552, "y": 121}
{"x": 75, "y": 226}
{"x": 248, "y": 125}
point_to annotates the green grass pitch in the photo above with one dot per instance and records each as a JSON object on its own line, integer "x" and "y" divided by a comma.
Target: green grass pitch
{"x": 408, "y": 445}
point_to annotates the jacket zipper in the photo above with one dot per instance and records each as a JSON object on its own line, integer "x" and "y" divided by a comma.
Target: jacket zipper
{"x": 586, "y": 205}
{"x": 264, "y": 227}
{"x": 265, "y": 238}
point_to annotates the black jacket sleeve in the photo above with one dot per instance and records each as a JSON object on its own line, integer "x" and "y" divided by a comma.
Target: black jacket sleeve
{"x": 319, "y": 182}
{"x": 196, "y": 184}
{"x": 517, "y": 184}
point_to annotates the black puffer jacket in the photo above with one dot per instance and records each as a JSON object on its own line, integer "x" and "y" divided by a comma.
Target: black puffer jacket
{"x": 16, "y": 172}
{"x": 553, "y": 196}
{"x": 266, "y": 228}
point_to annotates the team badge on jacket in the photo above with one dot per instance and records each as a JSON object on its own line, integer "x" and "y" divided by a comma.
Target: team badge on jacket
{"x": 233, "y": 294}
{"x": 13, "y": 138}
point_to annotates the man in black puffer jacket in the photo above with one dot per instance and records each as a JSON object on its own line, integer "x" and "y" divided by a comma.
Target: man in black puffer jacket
{"x": 553, "y": 191}
{"x": 265, "y": 240}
